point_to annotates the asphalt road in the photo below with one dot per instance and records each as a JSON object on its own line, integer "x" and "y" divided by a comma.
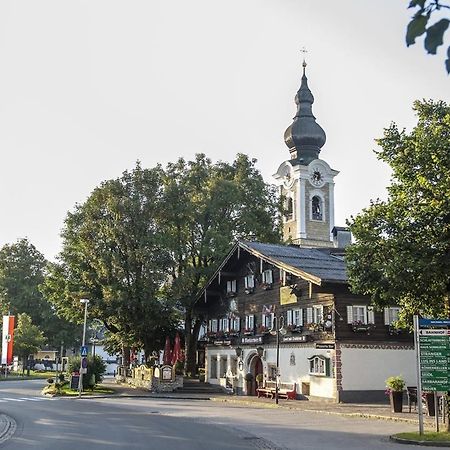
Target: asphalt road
{"x": 148, "y": 423}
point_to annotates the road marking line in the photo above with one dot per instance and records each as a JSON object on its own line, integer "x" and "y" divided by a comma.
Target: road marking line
{"x": 13, "y": 399}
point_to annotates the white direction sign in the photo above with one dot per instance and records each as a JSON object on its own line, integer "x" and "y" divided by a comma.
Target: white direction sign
{"x": 431, "y": 332}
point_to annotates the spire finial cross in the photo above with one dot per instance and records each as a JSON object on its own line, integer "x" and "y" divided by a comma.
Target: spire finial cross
{"x": 304, "y": 51}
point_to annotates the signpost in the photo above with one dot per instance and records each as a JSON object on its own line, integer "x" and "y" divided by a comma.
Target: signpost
{"x": 433, "y": 360}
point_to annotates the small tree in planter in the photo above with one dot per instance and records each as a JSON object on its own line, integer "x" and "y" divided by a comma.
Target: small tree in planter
{"x": 260, "y": 379}
{"x": 395, "y": 387}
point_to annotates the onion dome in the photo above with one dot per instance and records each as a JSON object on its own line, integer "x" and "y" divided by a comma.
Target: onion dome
{"x": 304, "y": 137}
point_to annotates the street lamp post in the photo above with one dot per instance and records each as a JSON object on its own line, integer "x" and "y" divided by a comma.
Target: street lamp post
{"x": 80, "y": 382}
{"x": 277, "y": 329}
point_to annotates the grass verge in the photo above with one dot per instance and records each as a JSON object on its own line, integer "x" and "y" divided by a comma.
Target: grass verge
{"x": 33, "y": 376}
{"x": 428, "y": 436}
{"x": 65, "y": 391}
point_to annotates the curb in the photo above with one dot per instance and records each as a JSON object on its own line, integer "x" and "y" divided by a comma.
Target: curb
{"x": 424, "y": 443}
{"x": 320, "y": 411}
{"x": 9, "y": 427}
{"x": 164, "y": 397}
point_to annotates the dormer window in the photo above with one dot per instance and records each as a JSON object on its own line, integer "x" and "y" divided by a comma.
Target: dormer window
{"x": 267, "y": 277}
{"x": 231, "y": 287}
{"x": 249, "y": 281}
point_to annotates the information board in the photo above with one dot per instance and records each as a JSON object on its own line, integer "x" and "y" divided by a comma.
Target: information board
{"x": 435, "y": 359}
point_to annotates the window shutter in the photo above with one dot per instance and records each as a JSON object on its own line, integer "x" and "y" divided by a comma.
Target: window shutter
{"x": 309, "y": 315}
{"x": 365, "y": 315}
{"x": 328, "y": 367}
{"x": 290, "y": 320}
{"x": 269, "y": 277}
{"x": 300, "y": 311}
{"x": 386, "y": 316}
{"x": 252, "y": 321}
{"x": 210, "y": 325}
{"x": 349, "y": 314}
{"x": 370, "y": 315}
{"x": 233, "y": 286}
{"x": 238, "y": 324}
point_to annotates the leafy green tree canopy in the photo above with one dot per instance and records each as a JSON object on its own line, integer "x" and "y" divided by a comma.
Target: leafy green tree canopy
{"x": 113, "y": 254}
{"x": 402, "y": 249}
{"x": 22, "y": 271}
{"x": 28, "y": 338}
{"x": 422, "y": 24}
{"x": 211, "y": 205}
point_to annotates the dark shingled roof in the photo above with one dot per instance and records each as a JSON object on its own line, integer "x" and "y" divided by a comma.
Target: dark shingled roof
{"x": 313, "y": 261}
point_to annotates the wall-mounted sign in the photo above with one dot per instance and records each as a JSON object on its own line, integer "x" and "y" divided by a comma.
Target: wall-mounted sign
{"x": 222, "y": 342}
{"x": 325, "y": 346}
{"x": 300, "y": 338}
{"x": 286, "y": 295}
{"x": 251, "y": 340}
{"x": 166, "y": 374}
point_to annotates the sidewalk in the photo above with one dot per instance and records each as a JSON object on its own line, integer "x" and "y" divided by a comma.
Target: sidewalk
{"x": 370, "y": 411}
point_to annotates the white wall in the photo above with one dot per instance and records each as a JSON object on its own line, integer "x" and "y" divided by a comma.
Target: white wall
{"x": 367, "y": 369}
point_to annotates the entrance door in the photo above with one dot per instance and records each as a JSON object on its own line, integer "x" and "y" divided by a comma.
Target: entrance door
{"x": 257, "y": 368}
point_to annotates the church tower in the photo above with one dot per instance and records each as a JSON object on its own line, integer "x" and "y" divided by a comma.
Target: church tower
{"x": 306, "y": 182}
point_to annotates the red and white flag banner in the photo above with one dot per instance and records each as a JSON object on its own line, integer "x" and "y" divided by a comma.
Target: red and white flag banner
{"x": 7, "y": 340}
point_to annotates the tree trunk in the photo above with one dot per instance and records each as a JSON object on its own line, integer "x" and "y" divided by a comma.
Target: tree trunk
{"x": 125, "y": 359}
{"x": 190, "y": 337}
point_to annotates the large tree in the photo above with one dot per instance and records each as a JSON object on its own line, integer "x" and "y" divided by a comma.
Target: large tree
{"x": 22, "y": 271}
{"x": 402, "y": 249}
{"x": 208, "y": 207}
{"x": 113, "y": 254}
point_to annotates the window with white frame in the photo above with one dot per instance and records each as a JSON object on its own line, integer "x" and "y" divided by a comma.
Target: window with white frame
{"x": 267, "y": 320}
{"x": 203, "y": 331}
{"x": 360, "y": 314}
{"x": 249, "y": 281}
{"x": 250, "y": 322}
{"x": 294, "y": 317}
{"x": 319, "y": 365}
{"x": 391, "y": 315}
{"x": 224, "y": 325}
{"x": 317, "y": 313}
{"x": 235, "y": 324}
{"x": 267, "y": 277}
{"x": 213, "y": 326}
{"x": 231, "y": 286}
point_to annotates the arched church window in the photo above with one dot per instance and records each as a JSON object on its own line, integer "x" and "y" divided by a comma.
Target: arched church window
{"x": 316, "y": 206}
{"x": 289, "y": 209}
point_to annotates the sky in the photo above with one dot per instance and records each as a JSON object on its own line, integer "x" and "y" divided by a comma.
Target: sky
{"x": 89, "y": 87}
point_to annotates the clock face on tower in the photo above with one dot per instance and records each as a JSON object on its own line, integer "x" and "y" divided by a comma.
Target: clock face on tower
{"x": 316, "y": 177}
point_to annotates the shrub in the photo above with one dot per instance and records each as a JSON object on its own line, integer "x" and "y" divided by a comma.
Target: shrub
{"x": 95, "y": 366}
{"x": 50, "y": 380}
{"x": 61, "y": 377}
{"x": 396, "y": 384}
{"x": 259, "y": 377}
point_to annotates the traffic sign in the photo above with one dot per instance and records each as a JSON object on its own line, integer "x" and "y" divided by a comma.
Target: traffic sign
{"x": 84, "y": 364}
{"x": 84, "y": 350}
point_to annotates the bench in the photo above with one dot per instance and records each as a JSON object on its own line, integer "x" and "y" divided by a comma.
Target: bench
{"x": 286, "y": 390}
{"x": 267, "y": 390}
